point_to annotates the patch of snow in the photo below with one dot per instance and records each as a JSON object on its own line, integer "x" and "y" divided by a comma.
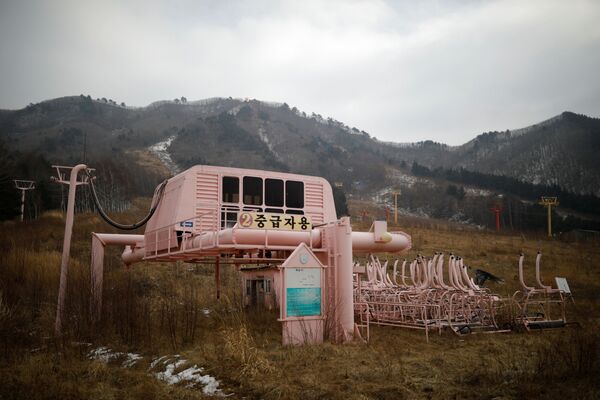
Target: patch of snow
{"x": 156, "y": 361}
{"x": 262, "y": 134}
{"x": 164, "y": 368}
{"x": 161, "y": 149}
{"x": 235, "y": 110}
{"x": 477, "y": 192}
{"x": 132, "y": 359}
{"x": 419, "y": 212}
{"x": 190, "y": 376}
{"x": 104, "y": 354}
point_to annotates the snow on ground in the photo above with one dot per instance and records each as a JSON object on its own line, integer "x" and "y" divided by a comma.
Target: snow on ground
{"x": 262, "y": 134}
{"x": 106, "y": 355}
{"x": 405, "y": 180}
{"x": 190, "y": 376}
{"x": 165, "y": 368}
{"x": 477, "y": 192}
{"x": 419, "y": 212}
{"x": 131, "y": 360}
{"x": 161, "y": 149}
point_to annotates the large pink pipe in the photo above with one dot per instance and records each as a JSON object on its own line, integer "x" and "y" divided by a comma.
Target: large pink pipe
{"x": 257, "y": 237}
{"x": 119, "y": 239}
{"x": 99, "y": 242}
{"x": 362, "y": 242}
{"x": 345, "y": 305}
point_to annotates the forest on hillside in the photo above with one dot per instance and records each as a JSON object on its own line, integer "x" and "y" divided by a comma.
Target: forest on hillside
{"x": 518, "y": 199}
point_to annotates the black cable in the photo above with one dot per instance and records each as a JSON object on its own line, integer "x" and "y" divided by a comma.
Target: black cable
{"x": 117, "y": 225}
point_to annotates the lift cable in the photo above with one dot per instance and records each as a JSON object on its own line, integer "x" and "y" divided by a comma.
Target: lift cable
{"x": 136, "y": 225}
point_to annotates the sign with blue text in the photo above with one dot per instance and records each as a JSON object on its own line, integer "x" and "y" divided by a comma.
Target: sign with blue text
{"x": 303, "y": 292}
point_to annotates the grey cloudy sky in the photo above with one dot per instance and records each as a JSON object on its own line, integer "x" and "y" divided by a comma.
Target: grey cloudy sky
{"x": 402, "y": 71}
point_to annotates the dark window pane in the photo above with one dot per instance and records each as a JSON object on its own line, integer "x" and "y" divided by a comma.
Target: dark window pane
{"x": 253, "y": 188}
{"x": 231, "y": 189}
{"x": 257, "y": 209}
{"x": 294, "y": 194}
{"x": 274, "y": 210}
{"x": 274, "y": 192}
{"x": 229, "y": 216}
{"x": 296, "y": 212}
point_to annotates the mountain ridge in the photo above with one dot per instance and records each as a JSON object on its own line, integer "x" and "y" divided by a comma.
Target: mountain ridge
{"x": 248, "y": 132}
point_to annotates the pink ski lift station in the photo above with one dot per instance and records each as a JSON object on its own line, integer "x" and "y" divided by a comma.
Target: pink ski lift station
{"x": 284, "y": 227}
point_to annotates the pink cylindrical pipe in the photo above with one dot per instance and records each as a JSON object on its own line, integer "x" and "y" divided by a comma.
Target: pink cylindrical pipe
{"x": 413, "y": 273}
{"x": 343, "y": 234}
{"x": 440, "y": 272}
{"x": 538, "y": 278}
{"x": 521, "y": 279}
{"x": 467, "y": 279}
{"x": 462, "y": 275}
{"x": 119, "y": 239}
{"x": 451, "y": 280}
{"x": 257, "y": 237}
{"x": 364, "y": 242}
{"x": 64, "y": 263}
{"x": 395, "y": 272}
{"x": 134, "y": 255}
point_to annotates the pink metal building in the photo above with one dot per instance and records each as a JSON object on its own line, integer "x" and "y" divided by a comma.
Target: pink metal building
{"x": 240, "y": 216}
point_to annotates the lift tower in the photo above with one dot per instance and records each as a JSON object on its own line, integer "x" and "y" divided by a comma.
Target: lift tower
{"x": 497, "y": 209}
{"x": 24, "y": 186}
{"x": 548, "y": 202}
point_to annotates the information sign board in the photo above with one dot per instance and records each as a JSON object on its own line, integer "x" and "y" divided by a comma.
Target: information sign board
{"x": 303, "y": 292}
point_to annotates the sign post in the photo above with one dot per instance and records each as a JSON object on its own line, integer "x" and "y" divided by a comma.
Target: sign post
{"x": 302, "y": 297}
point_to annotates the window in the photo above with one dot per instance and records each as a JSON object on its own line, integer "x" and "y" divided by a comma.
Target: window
{"x": 294, "y": 194}
{"x": 229, "y": 216}
{"x": 231, "y": 189}
{"x": 274, "y": 210}
{"x": 253, "y": 191}
{"x": 296, "y": 212}
{"x": 274, "y": 192}
{"x": 267, "y": 286}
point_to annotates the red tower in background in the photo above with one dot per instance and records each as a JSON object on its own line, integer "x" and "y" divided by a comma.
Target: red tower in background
{"x": 497, "y": 209}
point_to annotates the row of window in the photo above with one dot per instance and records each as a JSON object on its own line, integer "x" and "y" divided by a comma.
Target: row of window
{"x": 254, "y": 190}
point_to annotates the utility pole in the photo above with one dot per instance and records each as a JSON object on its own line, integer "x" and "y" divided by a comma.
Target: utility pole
{"x": 396, "y": 193}
{"x": 548, "y": 202}
{"x": 73, "y": 182}
{"x": 24, "y": 186}
{"x": 497, "y": 209}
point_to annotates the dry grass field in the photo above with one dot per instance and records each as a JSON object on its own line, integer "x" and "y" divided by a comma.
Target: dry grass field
{"x": 156, "y": 310}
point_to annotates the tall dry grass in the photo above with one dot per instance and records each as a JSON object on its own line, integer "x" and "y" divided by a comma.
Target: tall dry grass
{"x": 158, "y": 309}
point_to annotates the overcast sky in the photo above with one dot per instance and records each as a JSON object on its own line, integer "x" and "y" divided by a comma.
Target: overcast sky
{"x": 403, "y": 71}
